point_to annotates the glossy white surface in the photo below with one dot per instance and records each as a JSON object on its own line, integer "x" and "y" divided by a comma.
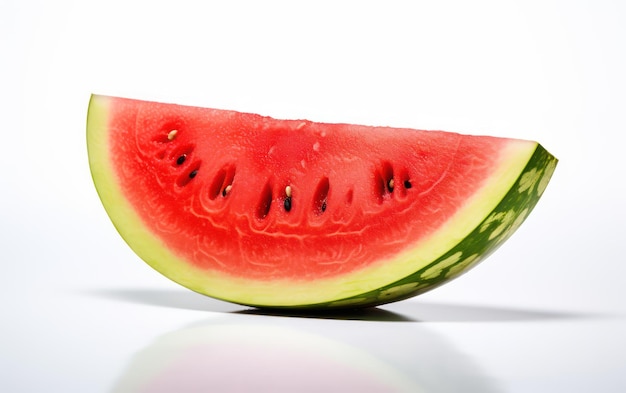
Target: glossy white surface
{"x": 545, "y": 313}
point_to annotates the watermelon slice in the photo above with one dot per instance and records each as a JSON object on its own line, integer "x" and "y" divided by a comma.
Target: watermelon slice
{"x": 298, "y": 214}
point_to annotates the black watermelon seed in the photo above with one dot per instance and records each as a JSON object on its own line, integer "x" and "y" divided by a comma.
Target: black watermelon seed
{"x": 181, "y": 159}
{"x": 323, "y": 206}
{"x": 407, "y": 184}
{"x": 193, "y": 173}
{"x": 287, "y": 204}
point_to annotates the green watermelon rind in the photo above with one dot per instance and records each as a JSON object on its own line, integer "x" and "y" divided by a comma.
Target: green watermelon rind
{"x": 480, "y": 227}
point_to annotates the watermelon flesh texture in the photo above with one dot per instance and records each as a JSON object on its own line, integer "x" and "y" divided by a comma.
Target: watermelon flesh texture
{"x": 298, "y": 214}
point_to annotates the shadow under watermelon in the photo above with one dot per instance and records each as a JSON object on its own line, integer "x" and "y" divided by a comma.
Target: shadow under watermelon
{"x": 411, "y": 310}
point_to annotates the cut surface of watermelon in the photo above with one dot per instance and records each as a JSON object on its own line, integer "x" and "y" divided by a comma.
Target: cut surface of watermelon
{"x": 293, "y": 213}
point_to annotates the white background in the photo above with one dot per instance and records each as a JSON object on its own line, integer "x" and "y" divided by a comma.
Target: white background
{"x": 81, "y": 313}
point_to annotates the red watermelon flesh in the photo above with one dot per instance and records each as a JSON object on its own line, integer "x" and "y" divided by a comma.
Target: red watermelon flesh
{"x": 234, "y": 199}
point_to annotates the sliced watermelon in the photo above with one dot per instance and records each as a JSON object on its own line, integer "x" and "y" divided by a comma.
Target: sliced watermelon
{"x": 292, "y": 213}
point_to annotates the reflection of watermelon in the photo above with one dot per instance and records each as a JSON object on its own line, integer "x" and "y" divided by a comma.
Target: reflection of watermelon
{"x": 211, "y": 357}
{"x": 280, "y": 213}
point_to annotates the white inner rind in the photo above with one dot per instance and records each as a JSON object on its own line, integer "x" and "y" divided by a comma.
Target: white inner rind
{"x": 513, "y": 159}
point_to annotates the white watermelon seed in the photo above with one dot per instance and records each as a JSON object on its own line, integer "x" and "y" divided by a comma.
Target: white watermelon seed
{"x": 172, "y": 134}
{"x": 391, "y": 184}
{"x": 288, "y": 191}
{"x": 227, "y": 190}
